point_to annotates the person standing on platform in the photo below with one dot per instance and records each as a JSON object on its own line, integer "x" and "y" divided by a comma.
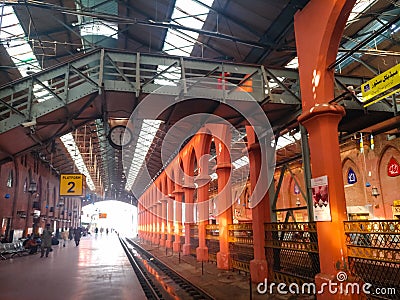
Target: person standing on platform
{"x": 64, "y": 236}
{"x": 46, "y": 240}
{"x": 77, "y": 236}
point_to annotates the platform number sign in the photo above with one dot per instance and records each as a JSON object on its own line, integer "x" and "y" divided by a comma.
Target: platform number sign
{"x": 71, "y": 184}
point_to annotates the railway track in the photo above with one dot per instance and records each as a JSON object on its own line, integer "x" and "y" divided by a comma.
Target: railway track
{"x": 157, "y": 279}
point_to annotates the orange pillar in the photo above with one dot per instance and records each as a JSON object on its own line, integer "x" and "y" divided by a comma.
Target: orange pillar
{"x": 163, "y": 220}
{"x": 156, "y": 223}
{"x": 148, "y": 222}
{"x": 153, "y": 227}
{"x": 317, "y": 48}
{"x": 178, "y": 192}
{"x": 202, "y": 206}
{"x": 202, "y": 181}
{"x": 224, "y": 198}
{"x": 260, "y": 213}
{"x": 189, "y": 192}
{"x": 139, "y": 218}
{"x": 170, "y": 220}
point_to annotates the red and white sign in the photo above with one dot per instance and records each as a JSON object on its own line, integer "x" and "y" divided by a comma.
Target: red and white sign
{"x": 393, "y": 168}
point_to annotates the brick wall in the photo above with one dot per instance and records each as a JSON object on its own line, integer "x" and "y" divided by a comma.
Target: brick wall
{"x": 16, "y": 202}
{"x": 370, "y": 167}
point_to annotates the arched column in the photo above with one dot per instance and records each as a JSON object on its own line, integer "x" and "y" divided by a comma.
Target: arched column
{"x": 317, "y": 48}
{"x": 260, "y": 212}
{"x": 152, "y": 228}
{"x": 222, "y": 137}
{"x": 162, "y": 210}
{"x": 146, "y": 219}
{"x": 202, "y": 146}
{"x": 178, "y": 193}
{"x": 188, "y": 159}
{"x": 170, "y": 212}
{"x": 140, "y": 214}
{"x": 189, "y": 192}
{"x": 163, "y": 192}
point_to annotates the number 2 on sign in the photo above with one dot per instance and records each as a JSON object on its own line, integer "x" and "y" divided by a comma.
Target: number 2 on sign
{"x": 71, "y": 189}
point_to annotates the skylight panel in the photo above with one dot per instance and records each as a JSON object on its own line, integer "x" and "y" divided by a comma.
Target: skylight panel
{"x": 287, "y": 139}
{"x": 359, "y": 7}
{"x": 293, "y": 64}
{"x": 73, "y": 150}
{"x": 189, "y": 14}
{"x": 241, "y": 162}
{"x": 147, "y": 133}
{"x": 100, "y": 28}
{"x": 12, "y": 36}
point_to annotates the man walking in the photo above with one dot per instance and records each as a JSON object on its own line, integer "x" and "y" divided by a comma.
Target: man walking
{"x": 46, "y": 240}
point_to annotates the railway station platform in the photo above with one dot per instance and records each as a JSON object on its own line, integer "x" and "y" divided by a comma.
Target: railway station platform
{"x": 97, "y": 269}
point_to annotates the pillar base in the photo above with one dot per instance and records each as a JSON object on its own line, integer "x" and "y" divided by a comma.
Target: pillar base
{"x": 155, "y": 240}
{"x": 223, "y": 261}
{"x": 202, "y": 253}
{"x": 162, "y": 242}
{"x": 186, "y": 249}
{"x": 176, "y": 246}
{"x": 328, "y": 279}
{"x": 258, "y": 270}
{"x": 168, "y": 243}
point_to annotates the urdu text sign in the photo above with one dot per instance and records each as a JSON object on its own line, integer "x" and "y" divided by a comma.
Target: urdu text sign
{"x": 382, "y": 86}
{"x": 71, "y": 184}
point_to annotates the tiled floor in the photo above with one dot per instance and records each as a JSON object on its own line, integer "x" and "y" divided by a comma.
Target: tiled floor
{"x": 97, "y": 269}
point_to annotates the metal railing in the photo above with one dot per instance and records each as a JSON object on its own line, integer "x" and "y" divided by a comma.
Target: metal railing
{"x": 241, "y": 246}
{"x": 212, "y": 241}
{"x": 194, "y": 238}
{"x": 291, "y": 250}
{"x": 373, "y": 249}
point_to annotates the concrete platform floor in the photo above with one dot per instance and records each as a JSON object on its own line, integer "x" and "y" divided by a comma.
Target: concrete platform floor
{"x": 95, "y": 270}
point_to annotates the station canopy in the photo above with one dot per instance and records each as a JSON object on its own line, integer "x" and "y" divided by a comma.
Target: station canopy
{"x": 37, "y": 35}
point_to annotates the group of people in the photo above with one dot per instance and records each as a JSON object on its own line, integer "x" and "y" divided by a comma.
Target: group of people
{"x": 96, "y": 230}
{"x": 47, "y": 239}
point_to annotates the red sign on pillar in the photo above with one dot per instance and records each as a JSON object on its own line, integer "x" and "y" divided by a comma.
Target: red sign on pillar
{"x": 393, "y": 168}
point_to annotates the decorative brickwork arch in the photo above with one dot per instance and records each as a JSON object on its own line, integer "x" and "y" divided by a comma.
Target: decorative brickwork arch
{"x": 356, "y": 194}
{"x": 388, "y": 186}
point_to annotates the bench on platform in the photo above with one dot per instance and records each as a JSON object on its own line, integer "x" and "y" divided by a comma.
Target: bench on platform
{"x": 12, "y": 249}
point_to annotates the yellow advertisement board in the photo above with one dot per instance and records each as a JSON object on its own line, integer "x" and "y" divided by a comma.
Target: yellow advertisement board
{"x": 71, "y": 184}
{"x": 382, "y": 86}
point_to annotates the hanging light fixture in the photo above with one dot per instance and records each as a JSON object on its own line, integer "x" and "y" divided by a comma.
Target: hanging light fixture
{"x": 375, "y": 192}
{"x": 32, "y": 187}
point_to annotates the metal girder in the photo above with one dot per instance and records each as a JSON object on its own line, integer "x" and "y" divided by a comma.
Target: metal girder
{"x": 276, "y": 31}
{"x": 49, "y": 90}
{"x": 364, "y": 42}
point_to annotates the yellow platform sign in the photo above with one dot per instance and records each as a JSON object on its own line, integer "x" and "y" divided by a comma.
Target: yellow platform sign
{"x": 382, "y": 86}
{"x": 71, "y": 184}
